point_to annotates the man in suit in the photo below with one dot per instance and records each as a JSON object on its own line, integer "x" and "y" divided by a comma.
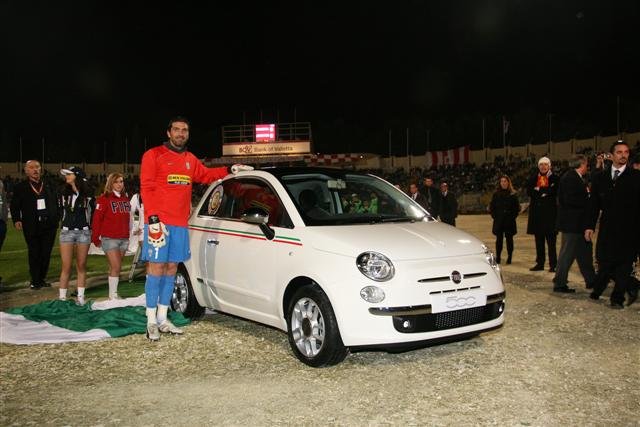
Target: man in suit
{"x": 542, "y": 189}
{"x": 417, "y": 196}
{"x": 448, "y": 205}
{"x": 615, "y": 198}
{"x": 4, "y": 215}
{"x": 432, "y": 197}
{"x": 573, "y": 199}
{"x": 34, "y": 211}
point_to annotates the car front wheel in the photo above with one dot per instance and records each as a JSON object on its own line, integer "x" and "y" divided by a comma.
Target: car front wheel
{"x": 183, "y": 299}
{"x": 312, "y": 328}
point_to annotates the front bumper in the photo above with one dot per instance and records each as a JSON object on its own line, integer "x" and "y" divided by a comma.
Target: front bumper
{"x": 421, "y": 319}
{"x": 411, "y": 326}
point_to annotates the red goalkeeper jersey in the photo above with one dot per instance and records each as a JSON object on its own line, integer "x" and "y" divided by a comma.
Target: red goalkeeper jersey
{"x": 166, "y": 179}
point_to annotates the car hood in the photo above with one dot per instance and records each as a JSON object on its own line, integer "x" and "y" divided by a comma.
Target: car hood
{"x": 398, "y": 241}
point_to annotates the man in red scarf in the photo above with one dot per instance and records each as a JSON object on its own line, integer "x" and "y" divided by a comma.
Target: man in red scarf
{"x": 542, "y": 189}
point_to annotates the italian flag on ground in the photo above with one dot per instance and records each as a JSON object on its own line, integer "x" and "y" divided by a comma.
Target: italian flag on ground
{"x": 63, "y": 321}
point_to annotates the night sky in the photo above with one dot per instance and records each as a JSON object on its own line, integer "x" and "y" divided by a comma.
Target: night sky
{"x": 81, "y": 74}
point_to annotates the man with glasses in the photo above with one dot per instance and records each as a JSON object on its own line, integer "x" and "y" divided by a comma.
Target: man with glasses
{"x": 615, "y": 201}
{"x": 34, "y": 211}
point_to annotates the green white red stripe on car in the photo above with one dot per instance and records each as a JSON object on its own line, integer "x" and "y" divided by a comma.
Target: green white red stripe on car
{"x": 245, "y": 234}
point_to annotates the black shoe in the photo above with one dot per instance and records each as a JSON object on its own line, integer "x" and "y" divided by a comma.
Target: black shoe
{"x": 594, "y": 296}
{"x": 552, "y": 270}
{"x": 45, "y": 285}
{"x": 564, "y": 290}
{"x": 509, "y": 260}
{"x": 617, "y": 305}
{"x": 537, "y": 267}
{"x": 35, "y": 286}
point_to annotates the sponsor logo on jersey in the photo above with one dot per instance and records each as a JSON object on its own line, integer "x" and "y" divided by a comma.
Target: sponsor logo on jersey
{"x": 178, "y": 179}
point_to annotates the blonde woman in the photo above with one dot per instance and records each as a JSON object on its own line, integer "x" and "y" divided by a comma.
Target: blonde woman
{"x": 111, "y": 228}
{"x": 76, "y": 205}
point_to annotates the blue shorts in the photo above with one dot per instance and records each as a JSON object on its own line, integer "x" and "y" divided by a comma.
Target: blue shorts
{"x": 175, "y": 250}
{"x": 109, "y": 244}
{"x": 81, "y": 237}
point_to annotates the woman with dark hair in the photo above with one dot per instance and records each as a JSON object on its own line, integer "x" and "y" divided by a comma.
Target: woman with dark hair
{"x": 76, "y": 205}
{"x": 111, "y": 227}
{"x": 504, "y": 209}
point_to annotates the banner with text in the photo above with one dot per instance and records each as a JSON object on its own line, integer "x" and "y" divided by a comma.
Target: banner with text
{"x": 261, "y": 149}
{"x": 455, "y": 156}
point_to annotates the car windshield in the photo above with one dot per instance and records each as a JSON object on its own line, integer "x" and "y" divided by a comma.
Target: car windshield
{"x": 339, "y": 198}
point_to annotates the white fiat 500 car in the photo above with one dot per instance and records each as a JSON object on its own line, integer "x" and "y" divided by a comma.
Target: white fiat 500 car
{"x": 341, "y": 261}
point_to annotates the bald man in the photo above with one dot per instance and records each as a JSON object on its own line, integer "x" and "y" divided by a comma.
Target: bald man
{"x": 34, "y": 211}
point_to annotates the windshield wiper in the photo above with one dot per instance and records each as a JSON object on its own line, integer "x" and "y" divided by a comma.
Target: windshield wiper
{"x": 379, "y": 219}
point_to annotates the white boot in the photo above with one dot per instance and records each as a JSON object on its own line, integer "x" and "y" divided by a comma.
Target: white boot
{"x": 113, "y": 287}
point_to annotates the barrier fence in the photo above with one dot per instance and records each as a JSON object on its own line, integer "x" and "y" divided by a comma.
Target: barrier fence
{"x": 562, "y": 150}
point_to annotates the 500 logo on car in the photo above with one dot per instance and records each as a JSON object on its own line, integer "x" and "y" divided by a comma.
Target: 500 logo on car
{"x": 448, "y": 302}
{"x": 460, "y": 302}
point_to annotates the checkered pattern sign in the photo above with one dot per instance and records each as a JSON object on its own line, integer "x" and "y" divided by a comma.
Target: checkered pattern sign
{"x": 331, "y": 159}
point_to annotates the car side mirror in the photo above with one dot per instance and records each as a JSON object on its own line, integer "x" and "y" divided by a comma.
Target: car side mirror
{"x": 260, "y": 218}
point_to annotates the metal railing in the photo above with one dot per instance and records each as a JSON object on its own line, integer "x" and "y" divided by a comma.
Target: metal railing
{"x": 298, "y": 131}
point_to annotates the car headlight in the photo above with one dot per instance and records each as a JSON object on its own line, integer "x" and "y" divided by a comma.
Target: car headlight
{"x": 375, "y": 266}
{"x": 372, "y": 294}
{"x": 490, "y": 257}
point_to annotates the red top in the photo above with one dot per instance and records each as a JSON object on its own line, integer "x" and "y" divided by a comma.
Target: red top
{"x": 111, "y": 218}
{"x": 165, "y": 183}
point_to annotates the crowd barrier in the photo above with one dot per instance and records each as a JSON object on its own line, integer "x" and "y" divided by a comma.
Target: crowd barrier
{"x": 562, "y": 150}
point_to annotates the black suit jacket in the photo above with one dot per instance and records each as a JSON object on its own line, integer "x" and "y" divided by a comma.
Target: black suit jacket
{"x": 421, "y": 200}
{"x": 24, "y": 208}
{"x": 433, "y": 194}
{"x": 448, "y": 208}
{"x": 573, "y": 200}
{"x": 618, "y": 206}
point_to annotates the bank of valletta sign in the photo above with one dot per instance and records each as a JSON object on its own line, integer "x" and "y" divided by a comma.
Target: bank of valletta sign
{"x": 266, "y": 148}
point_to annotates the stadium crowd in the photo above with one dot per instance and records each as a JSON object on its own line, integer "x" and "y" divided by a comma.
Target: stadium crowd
{"x": 462, "y": 179}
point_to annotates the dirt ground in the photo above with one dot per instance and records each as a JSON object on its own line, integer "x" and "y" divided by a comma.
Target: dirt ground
{"x": 558, "y": 360}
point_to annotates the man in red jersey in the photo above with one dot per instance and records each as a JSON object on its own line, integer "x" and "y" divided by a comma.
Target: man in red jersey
{"x": 166, "y": 177}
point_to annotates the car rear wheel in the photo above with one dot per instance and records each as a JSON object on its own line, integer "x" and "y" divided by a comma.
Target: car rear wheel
{"x": 183, "y": 299}
{"x": 312, "y": 328}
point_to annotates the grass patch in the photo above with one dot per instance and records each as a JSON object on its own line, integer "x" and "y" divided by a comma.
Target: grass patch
{"x": 125, "y": 290}
{"x": 14, "y": 264}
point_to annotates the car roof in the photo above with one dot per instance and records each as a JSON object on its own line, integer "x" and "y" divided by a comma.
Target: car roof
{"x": 281, "y": 171}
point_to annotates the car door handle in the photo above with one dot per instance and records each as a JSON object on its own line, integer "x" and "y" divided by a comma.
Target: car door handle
{"x": 212, "y": 242}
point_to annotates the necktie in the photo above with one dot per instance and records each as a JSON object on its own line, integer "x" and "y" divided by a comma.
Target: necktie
{"x": 616, "y": 173}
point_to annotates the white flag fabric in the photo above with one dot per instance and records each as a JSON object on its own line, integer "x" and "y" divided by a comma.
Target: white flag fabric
{"x": 50, "y": 322}
{"x": 452, "y": 157}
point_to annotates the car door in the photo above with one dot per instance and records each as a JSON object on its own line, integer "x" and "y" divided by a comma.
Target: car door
{"x": 238, "y": 261}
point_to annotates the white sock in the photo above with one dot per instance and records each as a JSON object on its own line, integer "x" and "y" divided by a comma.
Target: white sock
{"x": 113, "y": 286}
{"x": 162, "y": 313}
{"x": 63, "y": 294}
{"x": 81, "y": 292}
{"x": 151, "y": 316}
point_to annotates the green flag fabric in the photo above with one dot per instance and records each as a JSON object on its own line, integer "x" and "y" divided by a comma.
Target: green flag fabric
{"x": 85, "y": 320}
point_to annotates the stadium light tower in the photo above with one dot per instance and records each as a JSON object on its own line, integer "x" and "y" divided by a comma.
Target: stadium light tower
{"x": 550, "y": 137}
